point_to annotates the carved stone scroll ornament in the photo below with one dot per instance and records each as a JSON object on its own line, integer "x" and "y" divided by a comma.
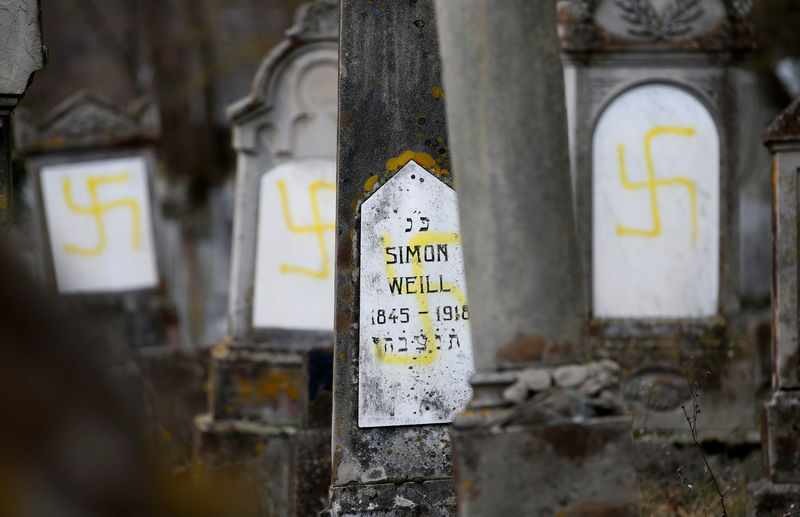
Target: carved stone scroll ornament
{"x": 645, "y": 22}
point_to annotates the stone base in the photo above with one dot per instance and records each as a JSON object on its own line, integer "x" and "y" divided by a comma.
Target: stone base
{"x": 289, "y": 469}
{"x": 416, "y": 499}
{"x": 566, "y": 468}
{"x": 769, "y": 499}
{"x": 781, "y": 437}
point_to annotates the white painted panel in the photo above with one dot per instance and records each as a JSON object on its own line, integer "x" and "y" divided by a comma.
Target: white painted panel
{"x": 656, "y": 183}
{"x": 295, "y": 249}
{"x": 98, "y": 220}
{"x": 415, "y": 351}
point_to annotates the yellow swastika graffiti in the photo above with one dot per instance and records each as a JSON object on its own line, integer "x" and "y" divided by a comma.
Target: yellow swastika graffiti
{"x": 319, "y": 228}
{"x": 96, "y": 209}
{"x": 428, "y": 355}
{"x": 652, "y": 184}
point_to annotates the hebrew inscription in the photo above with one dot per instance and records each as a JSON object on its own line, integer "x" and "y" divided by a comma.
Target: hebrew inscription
{"x": 655, "y": 207}
{"x": 98, "y": 220}
{"x": 415, "y": 354}
{"x": 294, "y": 256}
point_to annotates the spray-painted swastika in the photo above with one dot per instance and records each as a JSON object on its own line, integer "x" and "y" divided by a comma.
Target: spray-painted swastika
{"x": 96, "y": 209}
{"x": 652, "y": 184}
{"x": 318, "y": 228}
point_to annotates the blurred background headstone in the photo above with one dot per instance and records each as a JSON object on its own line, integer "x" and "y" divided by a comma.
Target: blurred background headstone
{"x": 653, "y": 98}
{"x": 271, "y": 380}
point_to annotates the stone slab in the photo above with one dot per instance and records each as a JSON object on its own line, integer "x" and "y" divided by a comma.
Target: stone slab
{"x": 293, "y": 286}
{"x": 577, "y": 469}
{"x": 99, "y": 225}
{"x": 656, "y": 188}
{"x": 425, "y": 498}
{"x": 258, "y": 386}
{"x": 781, "y": 441}
{"x": 415, "y": 355}
{"x": 772, "y": 499}
{"x": 391, "y": 111}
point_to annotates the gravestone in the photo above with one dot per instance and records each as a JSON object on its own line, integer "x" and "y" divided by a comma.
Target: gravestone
{"x": 270, "y": 395}
{"x": 92, "y": 166}
{"x": 403, "y": 349}
{"x": 545, "y": 431}
{"x": 652, "y": 95}
{"x": 779, "y": 493}
{"x": 23, "y": 54}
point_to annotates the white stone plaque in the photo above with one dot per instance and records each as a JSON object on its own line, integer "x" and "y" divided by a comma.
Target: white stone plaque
{"x": 415, "y": 352}
{"x": 295, "y": 249}
{"x": 656, "y": 207}
{"x": 98, "y": 221}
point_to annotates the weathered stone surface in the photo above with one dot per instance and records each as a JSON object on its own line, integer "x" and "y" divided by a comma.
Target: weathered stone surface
{"x": 574, "y": 469}
{"x": 773, "y": 499}
{"x": 239, "y": 451}
{"x": 533, "y": 458}
{"x": 781, "y": 441}
{"x": 520, "y": 251}
{"x": 517, "y": 392}
{"x": 390, "y": 112}
{"x": 21, "y": 48}
{"x": 570, "y": 376}
{"x": 423, "y": 498}
{"x": 258, "y": 386}
{"x": 536, "y": 379}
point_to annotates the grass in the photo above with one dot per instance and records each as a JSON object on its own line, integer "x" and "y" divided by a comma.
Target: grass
{"x": 692, "y": 494}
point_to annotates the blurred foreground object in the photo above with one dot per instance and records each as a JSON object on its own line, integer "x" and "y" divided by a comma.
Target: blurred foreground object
{"x": 544, "y": 433}
{"x": 72, "y": 439}
{"x": 21, "y": 54}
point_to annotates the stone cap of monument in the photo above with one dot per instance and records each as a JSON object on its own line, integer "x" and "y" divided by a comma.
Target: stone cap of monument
{"x": 315, "y": 21}
{"x": 785, "y": 129}
{"x": 89, "y": 120}
{"x": 21, "y": 49}
{"x": 635, "y": 26}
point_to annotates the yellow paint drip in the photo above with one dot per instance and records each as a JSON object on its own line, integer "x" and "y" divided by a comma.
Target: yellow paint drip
{"x": 370, "y": 183}
{"x": 437, "y": 92}
{"x": 423, "y": 160}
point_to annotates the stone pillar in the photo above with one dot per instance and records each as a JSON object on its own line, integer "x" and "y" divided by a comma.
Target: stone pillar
{"x": 536, "y": 437}
{"x": 270, "y": 397}
{"x": 653, "y": 107}
{"x": 97, "y": 225}
{"x": 403, "y": 354}
{"x": 23, "y": 54}
{"x": 780, "y": 444}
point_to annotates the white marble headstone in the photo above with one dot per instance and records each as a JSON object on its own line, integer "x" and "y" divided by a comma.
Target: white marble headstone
{"x": 295, "y": 249}
{"x": 656, "y": 168}
{"x": 99, "y": 225}
{"x": 415, "y": 350}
